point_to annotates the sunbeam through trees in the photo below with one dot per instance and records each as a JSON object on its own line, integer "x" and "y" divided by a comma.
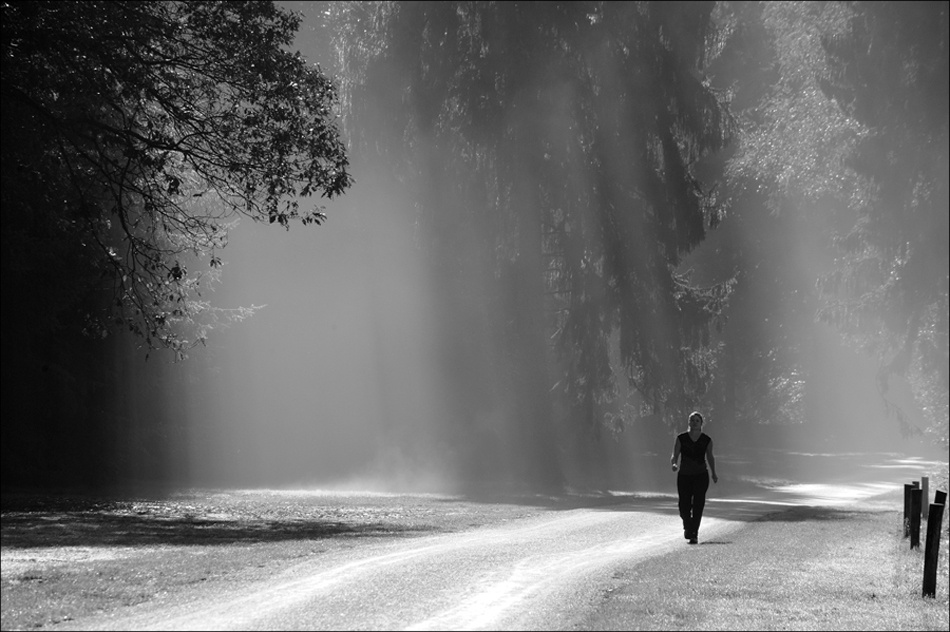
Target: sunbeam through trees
{"x": 549, "y": 231}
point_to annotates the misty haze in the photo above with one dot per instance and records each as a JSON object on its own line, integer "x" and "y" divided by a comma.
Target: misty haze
{"x": 415, "y": 322}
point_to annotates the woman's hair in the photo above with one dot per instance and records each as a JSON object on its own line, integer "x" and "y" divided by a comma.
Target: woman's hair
{"x": 695, "y": 415}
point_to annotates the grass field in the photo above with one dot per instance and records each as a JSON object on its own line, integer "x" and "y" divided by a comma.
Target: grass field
{"x": 805, "y": 569}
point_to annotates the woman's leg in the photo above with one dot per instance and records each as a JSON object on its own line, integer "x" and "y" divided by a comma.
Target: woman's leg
{"x": 684, "y": 490}
{"x": 700, "y": 487}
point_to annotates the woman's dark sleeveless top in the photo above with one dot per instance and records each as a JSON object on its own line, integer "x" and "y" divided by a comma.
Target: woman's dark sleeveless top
{"x": 693, "y": 454}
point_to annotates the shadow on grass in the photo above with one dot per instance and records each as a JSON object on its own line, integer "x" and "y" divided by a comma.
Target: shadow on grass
{"x": 812, "y": 514}
{"x": 742, "y": 507}
{"x": 561, "y": 501}
{"x": 70, "y": 521}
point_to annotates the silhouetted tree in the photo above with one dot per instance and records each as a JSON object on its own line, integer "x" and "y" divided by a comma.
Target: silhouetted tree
{"x": 133, "y": 132}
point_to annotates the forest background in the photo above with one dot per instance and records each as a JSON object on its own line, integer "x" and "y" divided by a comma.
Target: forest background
{"x": 617, "y": 213}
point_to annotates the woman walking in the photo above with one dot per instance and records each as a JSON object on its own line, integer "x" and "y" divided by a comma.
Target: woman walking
{"x": 696, "y": 449}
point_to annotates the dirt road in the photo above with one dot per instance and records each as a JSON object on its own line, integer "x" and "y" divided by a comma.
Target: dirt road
{"x": 540, "y": 572}
{"x": 532, "y": 574}
{"x": 533, "y": 568}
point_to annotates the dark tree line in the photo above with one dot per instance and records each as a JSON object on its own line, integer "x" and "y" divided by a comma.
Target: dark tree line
{"x": 566, "y": 161}
{"x": 134, "y": 133}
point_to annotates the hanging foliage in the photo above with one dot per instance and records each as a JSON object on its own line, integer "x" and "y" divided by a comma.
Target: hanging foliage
{"x": 561, "y": 140}
{"x": 133, "y": 134}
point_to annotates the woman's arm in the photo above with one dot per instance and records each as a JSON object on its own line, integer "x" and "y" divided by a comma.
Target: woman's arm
{"x": 676, "y": 453}
{"x": 711, "y": 459}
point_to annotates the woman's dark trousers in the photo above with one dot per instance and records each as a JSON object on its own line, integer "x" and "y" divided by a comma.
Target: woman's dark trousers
{"x": 692, "y": 493}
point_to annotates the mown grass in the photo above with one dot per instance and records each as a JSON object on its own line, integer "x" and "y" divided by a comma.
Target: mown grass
{"x": 807, "y": 569}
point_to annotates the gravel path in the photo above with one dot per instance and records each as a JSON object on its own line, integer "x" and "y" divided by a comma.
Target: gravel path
{"x": 536, "y": 572}
{"x": 268, "y": 559}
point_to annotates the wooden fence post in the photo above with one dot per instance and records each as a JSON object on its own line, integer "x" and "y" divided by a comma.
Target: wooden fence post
{"x": 907, "y": 488}
{"x": 940, "y": 497}
{"x": 932, "y": 550}
{"x": 925, "y": 489}
{"x": 915, "y": 494}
